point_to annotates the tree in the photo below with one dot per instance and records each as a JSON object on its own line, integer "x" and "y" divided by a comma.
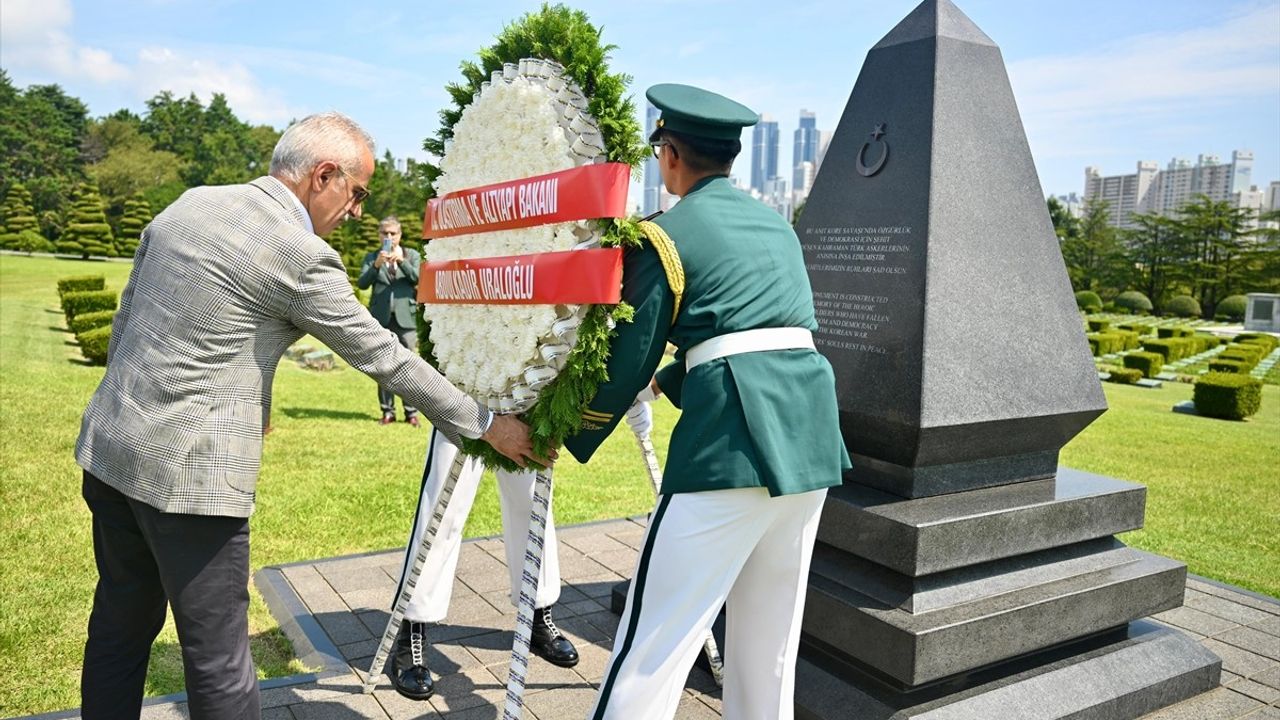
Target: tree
{"x": 87, "y": 232}
{"x": 129, "y": 164}
{"x": 137, "y": 213}
{"x": 41, "y": 129}
{"x": 1093, "y": 257}
{"x": 1261, "y": 269}
{"x": 1216, "y": 239}
{"x": 1153, "y": 251}
{"x": 1065, "y": 225}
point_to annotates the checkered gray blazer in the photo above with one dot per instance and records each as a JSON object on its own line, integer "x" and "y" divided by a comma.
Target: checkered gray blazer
{"x": 224, "y": 281}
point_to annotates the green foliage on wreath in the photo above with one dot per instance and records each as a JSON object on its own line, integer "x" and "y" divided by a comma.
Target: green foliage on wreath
{"x": 566, "y": 36}
{"x": 558, "y": 33}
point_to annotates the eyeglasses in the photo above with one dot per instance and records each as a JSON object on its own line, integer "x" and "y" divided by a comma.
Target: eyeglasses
{"x": 360, "y": 194}
{"x": 657, "y": 145}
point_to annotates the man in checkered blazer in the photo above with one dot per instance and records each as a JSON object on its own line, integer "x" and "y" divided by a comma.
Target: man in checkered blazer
{"x": 224, "y": 280}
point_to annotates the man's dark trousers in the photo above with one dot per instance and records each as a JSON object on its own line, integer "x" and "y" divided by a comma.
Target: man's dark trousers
{"x": 200, "y": 566}
{"x": 408, "y": 337}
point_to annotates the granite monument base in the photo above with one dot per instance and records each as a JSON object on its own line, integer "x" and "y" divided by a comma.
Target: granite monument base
{"x": 1120, "y": 674}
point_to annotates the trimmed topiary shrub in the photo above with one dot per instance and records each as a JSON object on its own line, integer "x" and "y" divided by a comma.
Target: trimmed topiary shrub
{"x": 137, "y": 213}
{"x": 90, "y": 320}
{"x": 1232, "y": 307}
{"x": 1088, "y": 301}
{"x": 1140, "y": 328}
{"x": 1183, "y": 306}
{"x": 30, "y": 241}
{"x": 1230, "y": 396}
{"x": 88, "y": 232}
{"x": 1124, "y": 376}
{"x": 1099, "y": 325}
{"x": 94, "y": 344}
{"x": 1134, "y": 302}
{"x": 75, "y": 303}
{"x": 1267, "y": 341}
{"x": 81, "y": 283}
{"x": 1148, "y": 363}
{"x": 1105, "y": 343}
{"x": 1242, "y": 356}
{"x": 1173, "y": 349}
{"x": 1228, "y": 366}
{"x": 1128, "y": 339}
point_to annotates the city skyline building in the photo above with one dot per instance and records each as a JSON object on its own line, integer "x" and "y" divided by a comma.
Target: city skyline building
{"x": 764, "y": 152}
{"x": 804, "y": 150}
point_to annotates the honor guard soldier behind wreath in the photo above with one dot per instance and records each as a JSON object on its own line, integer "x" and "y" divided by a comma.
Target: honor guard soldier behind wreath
{"x": 758, "y": 443}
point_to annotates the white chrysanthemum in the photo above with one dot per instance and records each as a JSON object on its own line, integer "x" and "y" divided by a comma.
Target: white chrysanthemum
{"x": 511, "y": 130}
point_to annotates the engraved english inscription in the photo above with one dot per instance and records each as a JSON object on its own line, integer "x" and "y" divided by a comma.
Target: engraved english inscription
{"x": 857, "y": 321}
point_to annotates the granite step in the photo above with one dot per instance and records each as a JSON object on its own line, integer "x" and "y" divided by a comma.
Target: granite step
{"x": 933, "y": 534}
{"x": 1143, "y": 669}
{"x": 917, "y": 648}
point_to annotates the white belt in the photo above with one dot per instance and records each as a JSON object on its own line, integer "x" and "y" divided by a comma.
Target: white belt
{"x": 747, "y": 341}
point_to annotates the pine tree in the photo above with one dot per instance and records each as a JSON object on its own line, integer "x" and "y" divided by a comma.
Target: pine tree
{"x": 87, "y": 232}
{"x": 18, "y": 217}
{"x": 137, "y": 213}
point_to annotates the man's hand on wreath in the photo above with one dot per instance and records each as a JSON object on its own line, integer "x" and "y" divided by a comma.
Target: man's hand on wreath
{"x": 510, "y": 437}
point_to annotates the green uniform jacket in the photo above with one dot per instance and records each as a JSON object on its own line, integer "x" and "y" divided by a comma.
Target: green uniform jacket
{"x": 761, "y": 419}
{"x": 392, "y": 299}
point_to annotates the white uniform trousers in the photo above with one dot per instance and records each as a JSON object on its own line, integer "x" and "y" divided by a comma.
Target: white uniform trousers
{"x": 740, "y": 548}
{"x": 430, "y": 601}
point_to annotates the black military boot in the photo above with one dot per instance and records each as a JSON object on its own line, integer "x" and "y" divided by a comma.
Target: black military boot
{"x": 409, "y": 672}
{"x": 548, "y": 643}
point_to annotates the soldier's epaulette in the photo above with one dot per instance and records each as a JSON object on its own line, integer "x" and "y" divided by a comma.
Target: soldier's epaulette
{"x": 670, "y": 258}
{"x": 592, "y": 420}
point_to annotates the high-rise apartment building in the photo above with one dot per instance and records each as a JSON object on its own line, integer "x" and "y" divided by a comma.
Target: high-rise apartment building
{"x": 652, "y": 178}
{"x": 1150, "y": 190}
{"x": 764, "y": 152}
{"x": 804, "y": 150}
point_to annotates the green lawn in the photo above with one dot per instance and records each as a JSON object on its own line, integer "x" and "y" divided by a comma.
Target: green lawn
{"x": 335, "y": 482}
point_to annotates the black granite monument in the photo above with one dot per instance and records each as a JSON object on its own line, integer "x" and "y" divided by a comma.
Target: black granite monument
{"x": 960, "y": 573}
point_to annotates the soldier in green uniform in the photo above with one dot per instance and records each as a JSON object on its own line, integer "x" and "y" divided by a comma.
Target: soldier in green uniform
{"x": 758, "y": 442}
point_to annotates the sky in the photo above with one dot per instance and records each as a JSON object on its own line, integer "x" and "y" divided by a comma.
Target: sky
{"x": 1098, "y": 82}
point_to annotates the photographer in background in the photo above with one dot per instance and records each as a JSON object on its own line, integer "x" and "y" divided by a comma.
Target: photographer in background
{"x": 392, "y": 271}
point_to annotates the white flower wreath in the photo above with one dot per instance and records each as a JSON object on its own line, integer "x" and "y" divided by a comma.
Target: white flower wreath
{"x": 529, "y": 119}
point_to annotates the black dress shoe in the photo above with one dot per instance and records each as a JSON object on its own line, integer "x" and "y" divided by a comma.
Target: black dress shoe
{"x": 548, "y": 643}
{"x": 409, "y": 672}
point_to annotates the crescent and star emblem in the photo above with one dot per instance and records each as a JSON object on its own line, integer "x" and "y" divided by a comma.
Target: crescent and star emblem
{"x": 876, "y": 134}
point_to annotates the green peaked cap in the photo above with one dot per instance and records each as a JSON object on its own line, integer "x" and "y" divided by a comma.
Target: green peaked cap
{"x": 694, "y": 111}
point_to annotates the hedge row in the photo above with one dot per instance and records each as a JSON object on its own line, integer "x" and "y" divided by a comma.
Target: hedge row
{"x": 81, "y": 283}
{"x": 1124, "y": 376}
{"x": 77, "y": 303}
{"x": 1147, "y": 363}
{"x": 1105, "y": 343}
{"x": 1230, "y": 396}
{"x": 94, "y": 344}
{"x": 88, "y": 321}
{"x": 89, "y": 308}
{"x": 1140, "y": 328}
{"x": 1178, "y": 348}
{"x": 1268, "y": 341}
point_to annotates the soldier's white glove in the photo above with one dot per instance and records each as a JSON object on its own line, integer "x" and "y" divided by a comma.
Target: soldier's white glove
{"x": 640, "y": 418}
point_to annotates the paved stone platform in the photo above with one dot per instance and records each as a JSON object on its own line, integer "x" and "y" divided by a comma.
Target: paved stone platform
{"x": 334, "y": 610}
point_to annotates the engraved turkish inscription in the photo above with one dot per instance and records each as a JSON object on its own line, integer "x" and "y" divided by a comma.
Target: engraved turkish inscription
{"x": 860, "y": 319}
